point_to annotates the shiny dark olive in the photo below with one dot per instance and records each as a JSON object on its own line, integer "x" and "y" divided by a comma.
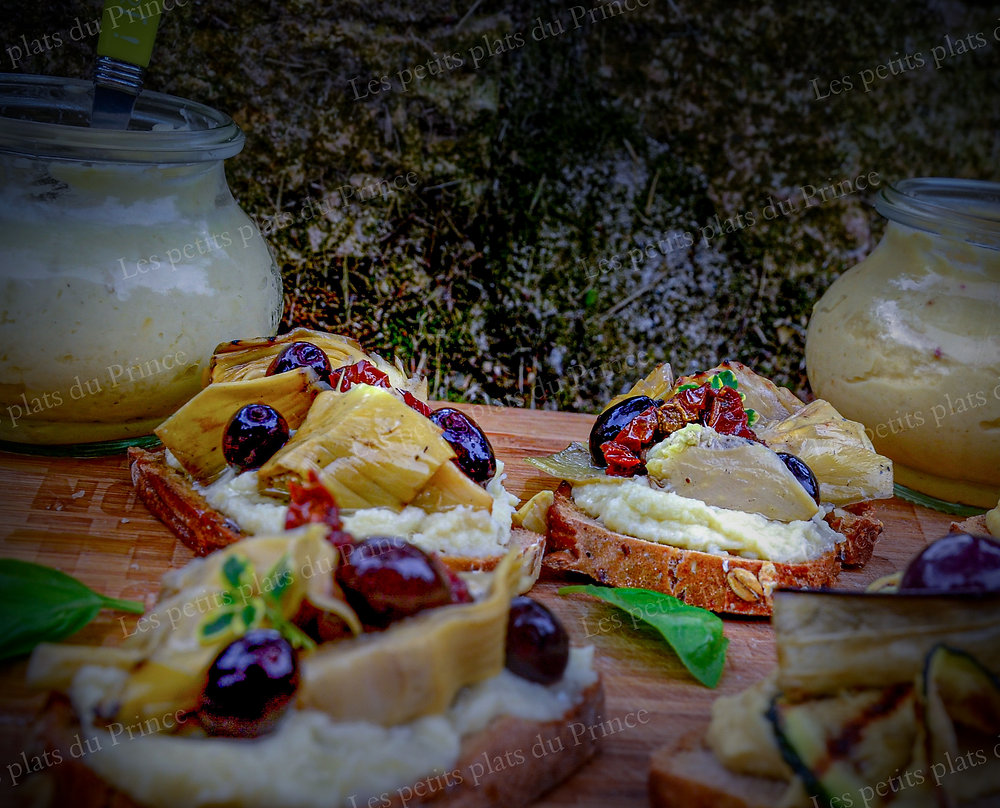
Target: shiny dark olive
{"x": 253, "y": 434}
{"x": 386, "y": 579}
{"x": 537, "y": 643}
{"x": 957, "y": 562}
{"x": 612, "y": 421}
{"x": 301, "y": 355}
{"x": 474, "y": 453}
{"x": 250, "y": 685}
{"x": 802, "y": 473}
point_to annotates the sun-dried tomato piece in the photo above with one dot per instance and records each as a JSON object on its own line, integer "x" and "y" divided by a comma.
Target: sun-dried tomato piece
{"x": 311, "y": 502}
{"x": 363, "y": 372}
{"x": 639, "y": 432}
{"x": 693, "y": 401}
{"x": 415, "y": 403}
{"x": 622, "y": 462}
{"x": 727, "y": 416}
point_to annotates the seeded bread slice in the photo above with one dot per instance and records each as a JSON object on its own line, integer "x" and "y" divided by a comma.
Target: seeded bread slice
{"x": 471, "y": 784}
{"x": 686, "y": 774}
{"x": 172, "y": 498}
{"x": 723, "y": 583}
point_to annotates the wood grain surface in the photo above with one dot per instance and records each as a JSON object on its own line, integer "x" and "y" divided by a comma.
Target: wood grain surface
{"x": 82, "y": 517}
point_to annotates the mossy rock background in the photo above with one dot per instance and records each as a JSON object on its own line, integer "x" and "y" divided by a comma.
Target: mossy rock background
{"x": 550, "y": 239}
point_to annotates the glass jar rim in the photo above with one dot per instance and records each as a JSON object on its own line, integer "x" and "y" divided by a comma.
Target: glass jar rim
{"x": 47, "y": 117}
{"x": 963, "y": 209}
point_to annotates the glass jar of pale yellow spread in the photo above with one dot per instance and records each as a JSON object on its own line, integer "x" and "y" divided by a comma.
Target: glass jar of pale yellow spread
{"x": 908, "y": 341}
{"x": 124, "y": 260}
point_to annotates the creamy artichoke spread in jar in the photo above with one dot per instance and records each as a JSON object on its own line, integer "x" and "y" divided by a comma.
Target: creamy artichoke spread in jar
{"x": 124, "y": 260}
{"x": 908, "y": 341}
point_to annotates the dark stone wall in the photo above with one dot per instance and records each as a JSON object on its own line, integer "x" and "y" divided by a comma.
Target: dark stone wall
{"x": 534, "y": 202}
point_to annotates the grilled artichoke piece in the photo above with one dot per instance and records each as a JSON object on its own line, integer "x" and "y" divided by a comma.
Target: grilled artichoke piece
{"x": 367, "y": 447}
{"x": 194, "y": 433}
{"x": 729, "y": 472}
{"x": 837, "y": 450}
{"x": 827, "y": 641}
{"x": 167, "y": 659}
{"x": 841, "y": 747}
{"x": 448, "y": 487}
{"x": 658, "y": 384}
{"x": 249, "y": 358}
{"x": 963, "y": 715}
{"x": 416, "y": 667}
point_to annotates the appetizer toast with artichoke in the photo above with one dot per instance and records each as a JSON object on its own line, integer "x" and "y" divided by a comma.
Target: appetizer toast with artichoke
{"x": 879, "y": 699}
{"x": 309, "y": 668}
{"x": 717, "y": 488}
{"x": 277, "y": 413}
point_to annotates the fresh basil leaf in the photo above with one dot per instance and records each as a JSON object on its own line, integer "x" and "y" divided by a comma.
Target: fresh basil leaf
{"x": 41, "y": 604}
{"x": 277, "y": 581}
{"x": 233, "y": 569}
{"x": 216, "y": 625}
{"x": 250, "y": 614}
{"x": 694, "y": 633}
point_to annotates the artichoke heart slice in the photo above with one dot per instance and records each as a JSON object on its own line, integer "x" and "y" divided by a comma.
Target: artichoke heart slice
{"x": 232, "y": 587}
{"x": 837, "y": 450}
{"x": 573, "y": 464}
{"x": 367, "y": 447}
{"x": 418, "y": 665}
{"x": 194, "y": 433}
{"x": 728, "y": 471}
{"x": 249, "y": 358}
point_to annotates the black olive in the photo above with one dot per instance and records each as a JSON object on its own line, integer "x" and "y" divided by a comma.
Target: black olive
{"x": 253, "y": 435}
{"x": 957, "y": 562}
{"x": 613, "y": 420}
{"x": 802, "y": 473}
{"x": 537, "y": 643}
{"x": 473, "y": 449}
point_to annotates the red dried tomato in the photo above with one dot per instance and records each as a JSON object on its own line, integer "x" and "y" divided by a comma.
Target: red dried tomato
{"x": 415, "y": 403}
{"x": 363, "y": 372}
{"x": 639, "y": 432}
{"x": 727, "y": 416}
{"x": 621, "y": 460}
{"x": 693, "y": 401}
{"x": 311, "y": 502}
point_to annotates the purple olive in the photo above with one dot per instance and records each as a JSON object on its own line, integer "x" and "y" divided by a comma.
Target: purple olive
{"x": 474, "y": 453}
{"x": 802, "y": 473}
{"x": 958, "y": 562}
{"x": 253, "y": 435}
{"x": 250, "y": 685}
{"x": 537, "y": 643}
{"x": 301, "y": 355}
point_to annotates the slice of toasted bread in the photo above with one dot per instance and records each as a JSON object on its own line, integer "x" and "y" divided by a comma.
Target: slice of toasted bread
{"x": 974, "y": 524}
{"x": 860, "y": 530}
{"x": 722, "y": 583}
{"x": 686, "y": 774}
{"x": 172, "y": 498}
{"x": 476, "y": 785}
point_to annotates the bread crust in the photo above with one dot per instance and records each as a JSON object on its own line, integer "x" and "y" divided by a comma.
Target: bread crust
{"x": 860, "y": 530}
{"x": 975, "y": 525}
{"x": 579, "y": 543}
{"x": 72, "y": 782}
{"x": 172, "y": 498}
{"x": 686, "y": 774}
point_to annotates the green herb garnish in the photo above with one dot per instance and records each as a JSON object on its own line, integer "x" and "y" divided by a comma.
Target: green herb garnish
{"x": 41, "y": 604}
{"x": 248, "y": 601}
{"x": 694, "y": 633}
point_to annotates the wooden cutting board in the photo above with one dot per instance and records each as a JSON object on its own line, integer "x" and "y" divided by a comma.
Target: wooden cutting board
{"x": 82, "y": 517}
